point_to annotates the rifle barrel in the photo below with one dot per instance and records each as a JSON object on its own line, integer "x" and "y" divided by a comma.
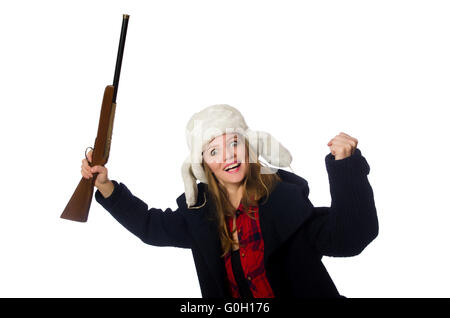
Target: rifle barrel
{"x": 123, "y": 35}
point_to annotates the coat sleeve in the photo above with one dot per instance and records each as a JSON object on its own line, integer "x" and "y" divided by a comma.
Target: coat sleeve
{"x": 351, "y": 223}
{"x": 153, "y": 226}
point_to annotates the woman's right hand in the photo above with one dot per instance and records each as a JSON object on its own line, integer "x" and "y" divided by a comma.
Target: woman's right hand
{"x": 88, "y": 172}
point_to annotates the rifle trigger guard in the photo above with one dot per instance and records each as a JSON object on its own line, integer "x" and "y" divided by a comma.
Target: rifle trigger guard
{"x": 86, "y": 154}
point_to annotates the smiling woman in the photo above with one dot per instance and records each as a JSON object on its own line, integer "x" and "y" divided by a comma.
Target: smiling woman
{"x": 252, "y": 229}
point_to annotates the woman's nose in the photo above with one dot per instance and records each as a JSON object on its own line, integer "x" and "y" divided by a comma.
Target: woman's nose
{"x": 230, "y": 155}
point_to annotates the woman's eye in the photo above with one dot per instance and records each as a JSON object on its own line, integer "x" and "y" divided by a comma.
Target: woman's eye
{"x": 213, "y": 152}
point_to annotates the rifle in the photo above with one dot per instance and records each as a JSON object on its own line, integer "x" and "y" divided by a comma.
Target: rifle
{"x": 79, "y": 204}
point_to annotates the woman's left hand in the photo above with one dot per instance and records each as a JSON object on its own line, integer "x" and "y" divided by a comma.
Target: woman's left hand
{"x": 342, "y": 146}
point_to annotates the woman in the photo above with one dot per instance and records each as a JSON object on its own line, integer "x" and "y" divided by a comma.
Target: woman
{"x": 252, "y": 230}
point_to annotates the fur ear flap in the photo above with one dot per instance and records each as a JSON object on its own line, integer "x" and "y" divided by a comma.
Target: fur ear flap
{"x": 190, "y": 183}
{"x": 272, "y": 150}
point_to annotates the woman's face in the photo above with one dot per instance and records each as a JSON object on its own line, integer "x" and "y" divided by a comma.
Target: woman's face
{"x": 222, "y": 153}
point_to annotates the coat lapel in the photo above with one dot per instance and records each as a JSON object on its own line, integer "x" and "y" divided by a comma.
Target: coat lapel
{"x": 284, "y": 212}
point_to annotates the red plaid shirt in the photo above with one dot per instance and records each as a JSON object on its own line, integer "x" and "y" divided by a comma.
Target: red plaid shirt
{"x": 251, "y": 253}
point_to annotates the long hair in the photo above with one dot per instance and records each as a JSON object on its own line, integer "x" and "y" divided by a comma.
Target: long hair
{"x": 256, "y": 186}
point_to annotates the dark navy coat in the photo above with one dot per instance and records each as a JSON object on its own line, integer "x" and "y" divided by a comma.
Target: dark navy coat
{"x": 296, "y": 234}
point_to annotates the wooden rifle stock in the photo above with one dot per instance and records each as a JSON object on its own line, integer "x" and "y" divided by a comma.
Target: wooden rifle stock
{"x": 79, "y": 204}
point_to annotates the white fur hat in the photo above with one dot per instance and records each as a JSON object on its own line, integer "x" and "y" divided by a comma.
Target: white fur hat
{"x": 214, "y": 121}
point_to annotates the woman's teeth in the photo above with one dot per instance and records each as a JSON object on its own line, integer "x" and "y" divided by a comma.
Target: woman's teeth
{"x": 232, "y": 167}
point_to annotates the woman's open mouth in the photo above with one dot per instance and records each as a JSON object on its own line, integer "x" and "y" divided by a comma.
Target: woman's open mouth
{"x": 233, "y": 168}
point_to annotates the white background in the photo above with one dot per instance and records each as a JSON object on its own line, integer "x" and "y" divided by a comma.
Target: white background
{"x": 303, "y": 71}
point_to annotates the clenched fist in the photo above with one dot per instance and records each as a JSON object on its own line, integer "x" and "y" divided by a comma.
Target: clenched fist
{"x": 342, "y": 146}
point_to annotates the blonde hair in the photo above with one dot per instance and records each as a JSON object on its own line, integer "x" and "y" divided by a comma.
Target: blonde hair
{"x": 256, "y": 186}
